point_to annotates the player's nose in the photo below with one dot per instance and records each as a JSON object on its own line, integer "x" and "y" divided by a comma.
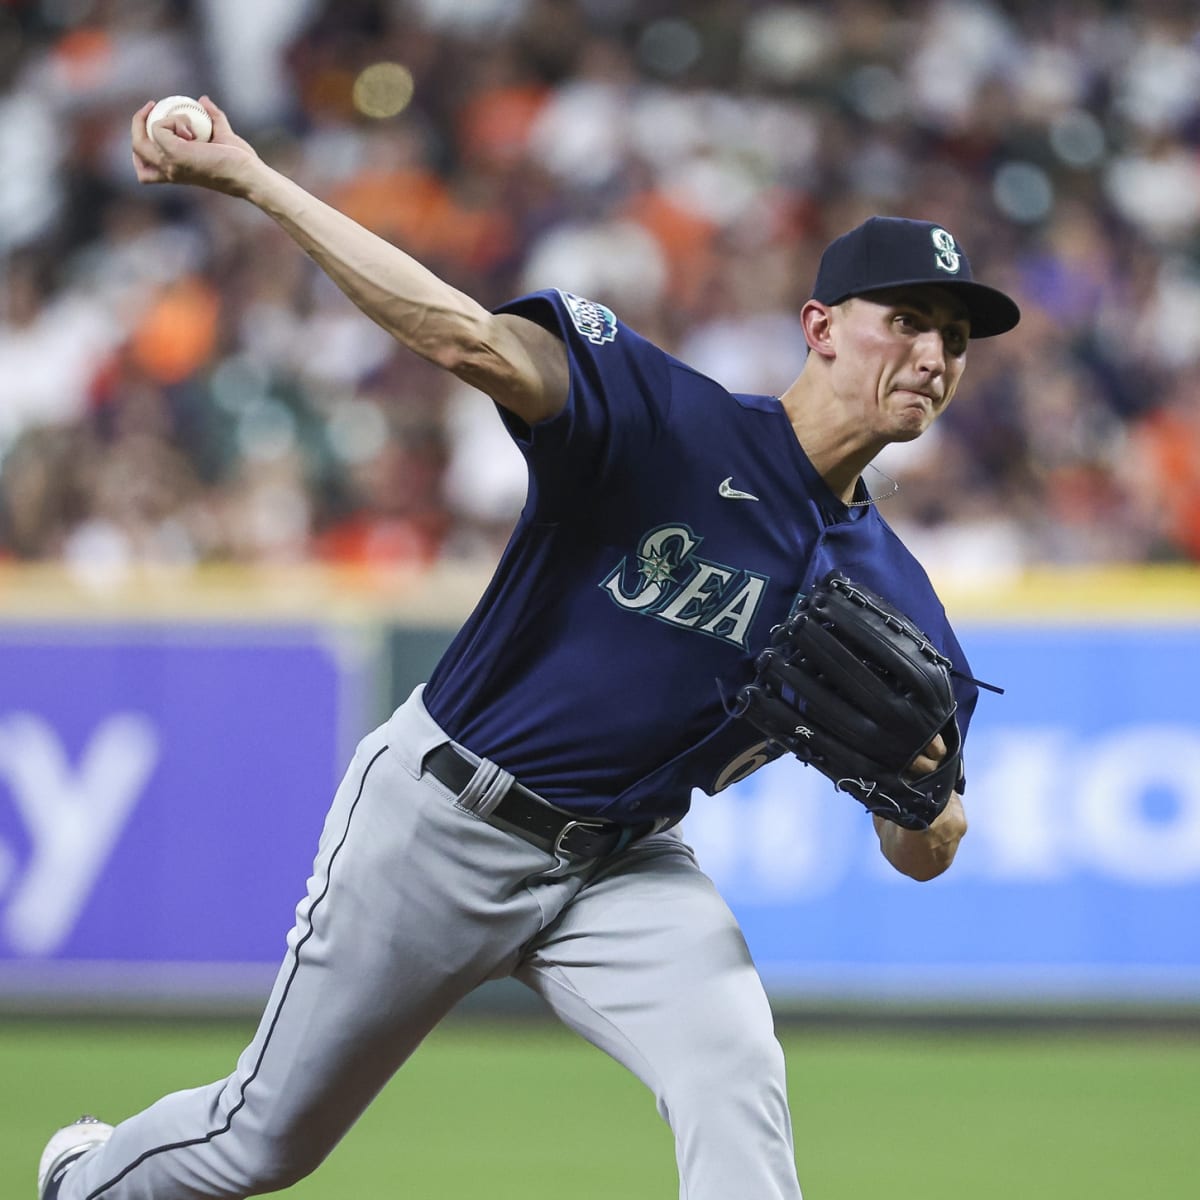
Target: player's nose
{"x": 930, "y": 350}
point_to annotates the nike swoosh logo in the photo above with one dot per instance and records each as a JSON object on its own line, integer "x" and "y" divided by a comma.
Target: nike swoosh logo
{"x": 727, "y": 490}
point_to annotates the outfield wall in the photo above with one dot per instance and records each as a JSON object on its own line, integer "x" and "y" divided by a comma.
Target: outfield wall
{"x": 168, "y": 747}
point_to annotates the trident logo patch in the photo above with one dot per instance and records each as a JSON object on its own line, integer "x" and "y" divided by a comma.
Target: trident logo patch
{"x": 947, "y": 258}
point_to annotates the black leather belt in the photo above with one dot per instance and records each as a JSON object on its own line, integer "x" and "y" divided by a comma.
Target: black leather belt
{"x": 536, "y": 820}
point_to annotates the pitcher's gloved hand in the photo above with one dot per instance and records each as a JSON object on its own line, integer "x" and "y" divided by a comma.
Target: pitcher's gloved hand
{"x": 850, "y": 685}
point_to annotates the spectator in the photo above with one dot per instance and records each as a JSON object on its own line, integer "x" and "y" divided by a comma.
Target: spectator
{"x": 681, "y": 167}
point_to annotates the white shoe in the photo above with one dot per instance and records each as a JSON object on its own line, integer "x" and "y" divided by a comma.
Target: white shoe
{"x": 64, "y": 1148}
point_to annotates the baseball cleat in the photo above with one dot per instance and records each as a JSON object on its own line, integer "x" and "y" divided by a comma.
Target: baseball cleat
{"x": 62, "y": 1150}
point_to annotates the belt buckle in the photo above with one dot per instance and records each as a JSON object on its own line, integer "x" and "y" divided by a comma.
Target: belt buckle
{"x": 558, "y": 849}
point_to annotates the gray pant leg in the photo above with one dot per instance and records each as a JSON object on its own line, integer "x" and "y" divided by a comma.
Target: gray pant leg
{"x": 648, "y": 963}
{"x": 411, "y": 904}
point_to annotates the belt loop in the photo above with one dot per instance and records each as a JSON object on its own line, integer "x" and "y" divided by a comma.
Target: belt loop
{"x": 494, "y": 791}
{"x": 486, "y": 789}
{"x": 626, "y": 837}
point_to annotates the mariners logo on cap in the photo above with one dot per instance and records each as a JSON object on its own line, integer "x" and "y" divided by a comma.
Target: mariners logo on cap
{"x": 947, "y": 257}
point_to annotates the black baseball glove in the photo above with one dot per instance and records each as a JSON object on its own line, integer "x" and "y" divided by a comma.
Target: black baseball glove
{"x": 852, "y": 686}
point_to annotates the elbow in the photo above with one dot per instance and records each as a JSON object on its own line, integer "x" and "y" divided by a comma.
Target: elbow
{"x": 447, "y": 355}
{"x": 458, "y": 354}
{"x": 453, "y": 336}
{"x": 474, "y": 355}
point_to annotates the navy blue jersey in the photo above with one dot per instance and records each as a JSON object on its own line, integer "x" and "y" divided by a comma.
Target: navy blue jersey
{"x": 669, "y": 525}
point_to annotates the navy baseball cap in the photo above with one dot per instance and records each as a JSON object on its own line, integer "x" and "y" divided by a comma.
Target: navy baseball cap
{"x": 886, "y": 252}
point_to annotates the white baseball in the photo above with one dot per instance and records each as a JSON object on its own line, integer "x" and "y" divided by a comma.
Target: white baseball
{"x": 182, "y": 106}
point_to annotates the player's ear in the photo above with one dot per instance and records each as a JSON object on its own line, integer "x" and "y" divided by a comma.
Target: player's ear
{"x": 816, "y": 319}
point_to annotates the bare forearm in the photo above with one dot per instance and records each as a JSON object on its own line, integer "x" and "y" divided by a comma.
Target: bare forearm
{"x": 924, "y": 855}
{"x": 416, "y": 307}
{"x": 515, "y": 361}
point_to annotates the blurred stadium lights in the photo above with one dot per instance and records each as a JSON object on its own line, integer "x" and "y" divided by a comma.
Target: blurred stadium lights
{"x": 1023, "y": 192}
{"x": 383, "y": 89}
{"x": 1078, "y": 139}
{"x": 670, "y": 46}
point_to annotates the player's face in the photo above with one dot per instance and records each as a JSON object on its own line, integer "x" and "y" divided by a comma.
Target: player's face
{"x": 901, "y": 354}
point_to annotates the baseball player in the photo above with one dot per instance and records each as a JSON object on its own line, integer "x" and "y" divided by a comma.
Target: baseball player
{"x": 514, "y": 817}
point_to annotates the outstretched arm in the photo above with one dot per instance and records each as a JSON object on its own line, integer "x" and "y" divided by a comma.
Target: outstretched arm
{"x": 518, "y": 363}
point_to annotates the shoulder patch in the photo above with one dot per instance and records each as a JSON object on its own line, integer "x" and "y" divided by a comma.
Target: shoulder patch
{"x": 593, "y": 321}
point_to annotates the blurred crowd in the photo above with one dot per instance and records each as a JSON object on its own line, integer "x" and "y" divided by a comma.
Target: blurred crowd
{"x": 179, "y": 384}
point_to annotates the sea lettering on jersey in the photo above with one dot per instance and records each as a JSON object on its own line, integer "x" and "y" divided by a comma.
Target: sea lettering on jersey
{"x": 671, "y": 583}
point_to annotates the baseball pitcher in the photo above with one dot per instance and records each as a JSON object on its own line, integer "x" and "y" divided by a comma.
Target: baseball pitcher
{"x": 699, "y": 583}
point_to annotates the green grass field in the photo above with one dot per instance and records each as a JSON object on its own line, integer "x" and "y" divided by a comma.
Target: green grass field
{"x": 524, "y": 1112}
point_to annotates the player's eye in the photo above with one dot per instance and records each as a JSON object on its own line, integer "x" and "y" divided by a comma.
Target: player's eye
{"x": 956, "y": 342}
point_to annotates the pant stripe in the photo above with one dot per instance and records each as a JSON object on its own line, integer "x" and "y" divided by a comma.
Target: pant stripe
{"x": 94, "y": 1195}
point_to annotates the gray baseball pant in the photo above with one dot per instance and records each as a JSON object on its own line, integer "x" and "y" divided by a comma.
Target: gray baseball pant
{"x": 415, "y": 900}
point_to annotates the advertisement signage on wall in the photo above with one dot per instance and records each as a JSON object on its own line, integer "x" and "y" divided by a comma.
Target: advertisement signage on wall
{"x": 161, "y": 794}
{"x": 162, "y": 790}
{"x": 1079, "y": 875}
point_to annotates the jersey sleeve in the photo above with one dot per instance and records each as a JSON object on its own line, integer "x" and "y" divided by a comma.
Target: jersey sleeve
{"x": 617, "y": 403}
